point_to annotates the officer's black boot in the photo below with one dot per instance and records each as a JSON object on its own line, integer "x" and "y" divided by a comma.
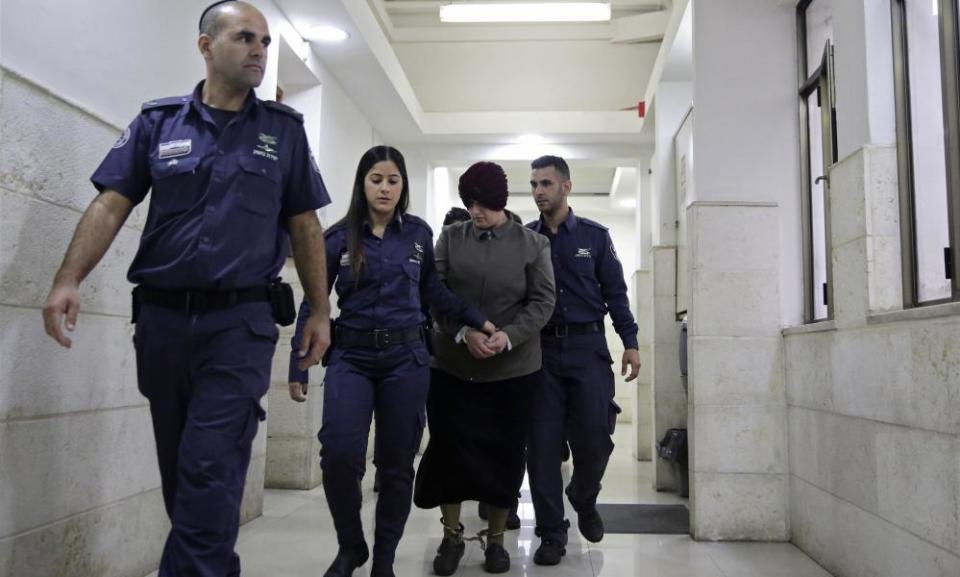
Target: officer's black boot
{"x": 347, "y": 560}
{"x": 513, "y": 520}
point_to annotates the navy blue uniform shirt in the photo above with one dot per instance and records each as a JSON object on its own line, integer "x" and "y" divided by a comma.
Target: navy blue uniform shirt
{"x": 589, "y": 276}
{"x": 397, "y": 279}
{"x": 220, "y": 199}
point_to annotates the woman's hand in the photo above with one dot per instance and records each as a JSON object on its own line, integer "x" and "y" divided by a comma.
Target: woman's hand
{"x": 498, "y": 342}
{"x": 489, "y": 328}
{"x": 477, "y": 344}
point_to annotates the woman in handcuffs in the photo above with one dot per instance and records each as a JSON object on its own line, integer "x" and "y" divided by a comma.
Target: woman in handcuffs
{"x": 479, "y": 400}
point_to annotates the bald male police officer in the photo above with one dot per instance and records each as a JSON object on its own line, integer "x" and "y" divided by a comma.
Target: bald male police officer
{"x": 230, "y": 176}
{"x": 575, "y": 395}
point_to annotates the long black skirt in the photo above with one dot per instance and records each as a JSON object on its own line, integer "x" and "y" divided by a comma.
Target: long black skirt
{"x": 477, "y": 445}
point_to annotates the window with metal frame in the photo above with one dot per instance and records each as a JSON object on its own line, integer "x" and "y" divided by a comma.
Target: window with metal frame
{"x": 926, "y": 50}
{"x": 818, "y": 150}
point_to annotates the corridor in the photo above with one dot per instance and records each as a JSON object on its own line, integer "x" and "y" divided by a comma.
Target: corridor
{"x": 295, "y": 538}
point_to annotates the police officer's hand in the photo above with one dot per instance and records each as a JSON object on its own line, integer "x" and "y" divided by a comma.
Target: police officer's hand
{"x": 298, "y": 392}
{"x": 477, "y": 344}
{"x": 498, "y": 342}
{"x": 63, "y": 301}
{"x": 316, "y": 340}
{"x": 631, "y": 357}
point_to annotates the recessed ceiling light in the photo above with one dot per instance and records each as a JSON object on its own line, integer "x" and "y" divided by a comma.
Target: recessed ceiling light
{"x": 546, "y": 12}
{"x": 329, "y": 34}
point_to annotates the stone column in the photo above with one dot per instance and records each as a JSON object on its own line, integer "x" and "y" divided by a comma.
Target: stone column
{"x": 643, "y": 397}
{"x": 669, "y": 398}
{"x": 745, "y": 140}
{"x": 292, "y": 448}
{"x": 738, "y": 487}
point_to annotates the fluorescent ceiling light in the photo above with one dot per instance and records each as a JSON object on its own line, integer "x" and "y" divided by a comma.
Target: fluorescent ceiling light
{"x": 327, "y": 34}
{"x": 548, "y": 12}
{"x": 628, "y": 203}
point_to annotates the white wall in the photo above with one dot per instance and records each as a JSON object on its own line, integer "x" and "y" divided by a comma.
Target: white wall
{"x": 78, "y": 472}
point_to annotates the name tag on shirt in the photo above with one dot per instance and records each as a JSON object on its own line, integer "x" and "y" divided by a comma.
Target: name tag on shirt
{"x": 175, "y": 148}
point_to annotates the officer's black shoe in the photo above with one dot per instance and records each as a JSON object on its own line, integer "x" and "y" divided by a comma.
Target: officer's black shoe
{"x": 513, "y": 520}
{"x": 549, "y": 552}
{"x": 482, "y": 510}
{"x": 448, "y": 556}
{"x": 347, "y": 560}
{"x": 590, "y": 524}
{"x": 496, "y": 559}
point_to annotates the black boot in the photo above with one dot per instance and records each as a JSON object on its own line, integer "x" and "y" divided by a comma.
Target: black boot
{"x": 450, "y": 551}
{"x": 347, "y": 560}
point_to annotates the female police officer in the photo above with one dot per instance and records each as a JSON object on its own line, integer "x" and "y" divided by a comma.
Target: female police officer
{"x": 381, "y": 260}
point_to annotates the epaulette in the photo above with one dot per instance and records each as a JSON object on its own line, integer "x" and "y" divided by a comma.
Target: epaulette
{"x": 592, "y": 223}
{"x": 164, "y": 102}
{"x": 274, "y": 105}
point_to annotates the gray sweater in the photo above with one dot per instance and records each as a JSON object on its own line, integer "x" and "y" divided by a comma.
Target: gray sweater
{"x": 506, "y": 272}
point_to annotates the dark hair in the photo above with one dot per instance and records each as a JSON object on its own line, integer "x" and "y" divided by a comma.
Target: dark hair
{"x": 210, "y": 18}
{"x": 360, "y": 209}
{"x": 456, "y": 214}
{"x": 555, "y": 161}
{"x": 484, "y": 183}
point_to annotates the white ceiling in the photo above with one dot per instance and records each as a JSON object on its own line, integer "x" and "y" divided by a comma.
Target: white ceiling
{"x": 462, "y": 92}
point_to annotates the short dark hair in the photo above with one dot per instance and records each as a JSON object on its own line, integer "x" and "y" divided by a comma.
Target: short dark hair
{"x": 210, "y": 18}
{"x": 555, "y": 161}
{"x": 456, "y": 214}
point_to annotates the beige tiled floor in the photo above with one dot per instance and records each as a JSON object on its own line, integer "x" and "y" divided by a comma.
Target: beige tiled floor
{"x": 295, "y": 538}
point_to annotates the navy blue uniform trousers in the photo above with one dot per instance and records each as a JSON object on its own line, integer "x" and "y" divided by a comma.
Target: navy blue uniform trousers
{"x": 574, "y": 399}
{"x": 391, "y": 383}
{"x": 204, "y": 375}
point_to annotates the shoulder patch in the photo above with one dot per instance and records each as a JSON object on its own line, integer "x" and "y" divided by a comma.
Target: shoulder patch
{"x": 592, "y": 223}
{"x": 164, "y": 102}
{"x": 274, "y": 105}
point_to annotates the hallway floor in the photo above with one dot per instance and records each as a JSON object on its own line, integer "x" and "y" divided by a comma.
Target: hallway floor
{"x": 295, "y": 538}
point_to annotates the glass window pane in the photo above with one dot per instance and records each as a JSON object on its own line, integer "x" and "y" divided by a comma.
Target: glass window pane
{"x": 929, "y": 170}
{"x": 817, "y": 206}
{"x": 819, "y": 19}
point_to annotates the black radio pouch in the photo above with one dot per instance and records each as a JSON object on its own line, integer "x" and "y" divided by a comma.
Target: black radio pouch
{"x": 135, "y": 304}
{"x": 282, "y": 303}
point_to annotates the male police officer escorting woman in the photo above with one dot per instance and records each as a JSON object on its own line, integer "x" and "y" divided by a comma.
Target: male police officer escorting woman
{"x": 382, "y": 260}
{"x": 230, "y": 175}
{"x": 575, "y": 396}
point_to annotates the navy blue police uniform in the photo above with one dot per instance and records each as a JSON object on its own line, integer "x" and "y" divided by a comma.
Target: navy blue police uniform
{"x": 575, "y": 395}
{"x": 378, "y": 366}
{"x": 222, "y": 188}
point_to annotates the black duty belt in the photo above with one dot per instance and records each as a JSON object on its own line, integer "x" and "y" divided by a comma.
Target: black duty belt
{"x": 198, "y": 301}
{"x": 574, "y": 329}
{"x": 377, "y": 338}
